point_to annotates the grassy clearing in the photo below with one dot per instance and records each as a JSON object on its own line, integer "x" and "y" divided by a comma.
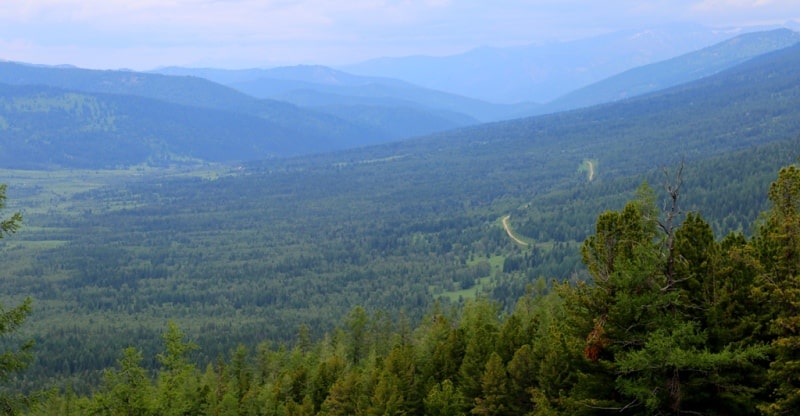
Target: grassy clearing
{"x": 35, "y": 244}
{"x": 481, "y": 284}
{"x": 470, "y": 293}
{"x": 35, "y": 192}
{"x": 495, "y": 261}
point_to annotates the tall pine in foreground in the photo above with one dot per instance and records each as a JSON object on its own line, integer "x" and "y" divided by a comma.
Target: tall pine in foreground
{"x": 16, "y": 358}
{"x": 645, "y": 314}
{"x": 778, "y": 244}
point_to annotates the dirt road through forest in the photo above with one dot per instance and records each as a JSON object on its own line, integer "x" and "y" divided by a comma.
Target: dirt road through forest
{"x": 510, "y": 234}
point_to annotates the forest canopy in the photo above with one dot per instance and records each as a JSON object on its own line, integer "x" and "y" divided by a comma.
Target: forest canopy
{"x": 673, "y": 320}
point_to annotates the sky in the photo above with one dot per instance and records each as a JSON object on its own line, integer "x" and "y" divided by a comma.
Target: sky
{"x": 145, "y": 34}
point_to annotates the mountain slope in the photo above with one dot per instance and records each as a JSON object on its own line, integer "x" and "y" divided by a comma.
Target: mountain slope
{"x": 754, "y": 103}
{"x": 297, "y": 130}
{"x": 682, "y": 69}
{"x": 191, "y": 91}
{"x": 49, "y": 127}
{"x": 255, "y": 252}
{"x": 541, "y": 73}
{"x": 341, "y": 127}
{"x": 316, "y": 86}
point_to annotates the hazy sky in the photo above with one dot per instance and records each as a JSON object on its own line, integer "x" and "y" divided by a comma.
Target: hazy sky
{"x": 143, "y": 34}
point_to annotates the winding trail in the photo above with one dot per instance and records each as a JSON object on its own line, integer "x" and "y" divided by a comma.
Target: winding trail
{"x": 510, "y": 234}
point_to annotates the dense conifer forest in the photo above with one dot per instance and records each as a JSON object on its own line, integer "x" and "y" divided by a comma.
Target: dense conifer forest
{"x": 635, "y": 257}
{"x": 673, "y": 319}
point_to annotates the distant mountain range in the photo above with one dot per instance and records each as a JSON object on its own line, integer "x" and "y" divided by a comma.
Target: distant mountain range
{"x": 71, "y": 117}
{"x": 344, "y": 94}
{"x": 330, "y": 90}
{"x": 59, "y": 116}
{"x": 678, "y": 70}
{"x": 543, "y": 72}
{"x": 251, "y": 255}
{"x": 750, "y": 104}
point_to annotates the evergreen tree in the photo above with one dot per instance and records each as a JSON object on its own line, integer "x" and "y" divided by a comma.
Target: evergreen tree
{"x": 645, "y": 314}
{"x": 397, "y": 390}
{"x": 346, "y": 396}
{"x": 16, "y": 358}
{"x": 779, "y": 248}
{"x": 480, "y": 325}
{"x": 127, "y": 391}
{"x": 443, "y": 400}
{"x": 357, "y": 331}
{"x": 440, "y": 349}
{"x": 494, "y": 398}
{"x": 327, "y": 372}
{"x": 178, "y": 387}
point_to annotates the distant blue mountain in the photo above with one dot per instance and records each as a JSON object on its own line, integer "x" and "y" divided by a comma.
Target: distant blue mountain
{"x": 678, "y": 70}
{"x": 542, "y": 72}
{"x": 65, "y": 116}
{"x": 324, "y": 88}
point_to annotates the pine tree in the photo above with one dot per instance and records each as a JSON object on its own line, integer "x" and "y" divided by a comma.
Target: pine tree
{"x": 127, "y": 391}
{"x": 397, "y": 390}
{"x": 440, "y": 349}
{"x": 178, "y": 387}
{"x": 17, "y": 358}
{"x": 480, "y": 325}
{"x": 346, "y": 396}
{"x": 443, "y": 400}
{"x": 357, "y": 331}
{"x": 494, "y": 398}
{"x": 645, "y": 315}
{"x": 779, "y": 248}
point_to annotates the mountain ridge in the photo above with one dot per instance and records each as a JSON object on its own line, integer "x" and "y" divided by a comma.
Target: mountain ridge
{"x": 249, "y": 128}
{"x": 314, "y": 86}
{"x": 677, "y": 70}
{"x": 263, "y": 247}
{"x": 543, "y": 72}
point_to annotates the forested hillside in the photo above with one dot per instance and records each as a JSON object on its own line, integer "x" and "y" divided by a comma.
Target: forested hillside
{"x": 49, "y": 128}
{"x": 250, "y": 253}
{"x": 504, "y": 74}
{"x": 78, "y": 118}
{"x": 677, "y": 70}
{"x": 64, "y": 117}
{"x": 323, "y": 87}
{"x": 148, "y": 118}
{"x": 672, "y": 320}
{"x": 190, "y": 91}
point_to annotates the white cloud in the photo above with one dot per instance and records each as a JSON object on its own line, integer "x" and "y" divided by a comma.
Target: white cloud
{"x": 331, "y": 31}
{"x": 744, "y": 12}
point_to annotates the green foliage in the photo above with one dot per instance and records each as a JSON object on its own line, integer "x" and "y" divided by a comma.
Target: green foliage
{"x": 9, "y": 225}
{"x": 494, "y": 389}
{"x": 14, "y": 356}
{"x": 646, "y": 316}
{"x": 246, "y": 256}
{"x": 127, "y": 391}
{"x": 640, "y": 338}
{"x": 779, "y": 245}
{"x": 178, "y": 388}
{"x": 443, "y": 400}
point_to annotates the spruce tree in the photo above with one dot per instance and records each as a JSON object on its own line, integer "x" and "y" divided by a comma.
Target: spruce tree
{"x": 779, "y": 249}
{"x": 645, "y": 316}
{"x": 15, "y": 358}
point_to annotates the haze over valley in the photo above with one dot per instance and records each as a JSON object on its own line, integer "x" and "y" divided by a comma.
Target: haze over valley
{"x": 557, "y": 222}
